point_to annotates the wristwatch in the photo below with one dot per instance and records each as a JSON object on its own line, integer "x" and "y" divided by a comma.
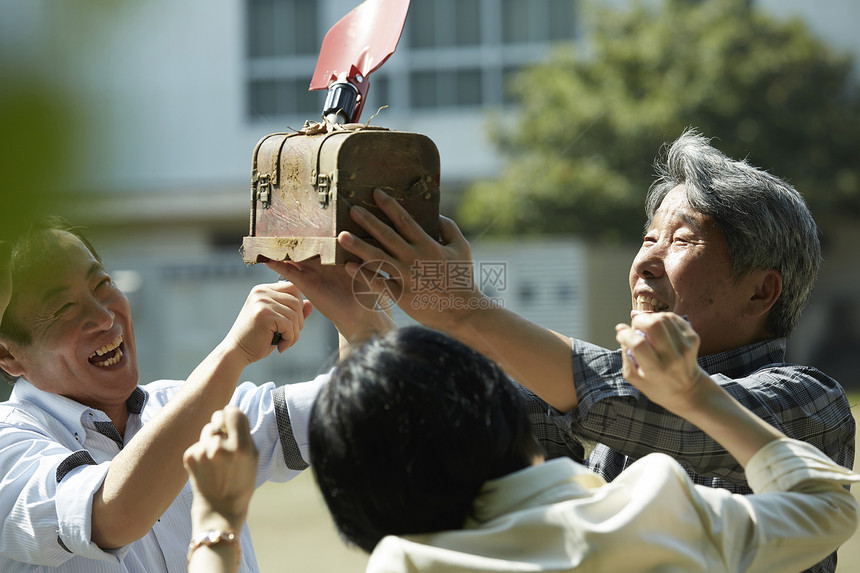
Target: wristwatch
{"x": 215, "y": 537}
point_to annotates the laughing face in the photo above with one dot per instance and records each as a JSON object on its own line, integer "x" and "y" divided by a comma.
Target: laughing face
{"x": 683, "y": 266}
{"x": 82, "y": 342}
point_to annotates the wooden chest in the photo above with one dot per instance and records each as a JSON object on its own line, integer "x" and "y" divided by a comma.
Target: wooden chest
{"x": 303, "y": 184}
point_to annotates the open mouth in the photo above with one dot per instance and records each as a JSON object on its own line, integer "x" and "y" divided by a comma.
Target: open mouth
{"x": 649, "y": 304}
{"x": 108, "y": 355}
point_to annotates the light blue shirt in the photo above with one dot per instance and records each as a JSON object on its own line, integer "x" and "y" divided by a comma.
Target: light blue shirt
{"x": 55, "y": 453}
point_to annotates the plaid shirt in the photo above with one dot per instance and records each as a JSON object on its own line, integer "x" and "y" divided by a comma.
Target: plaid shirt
{"x": 614, "y": 424}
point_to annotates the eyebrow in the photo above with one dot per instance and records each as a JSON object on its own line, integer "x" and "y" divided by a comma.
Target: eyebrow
{"x": 688, "y": 219}
{"x": 53, "y": 292}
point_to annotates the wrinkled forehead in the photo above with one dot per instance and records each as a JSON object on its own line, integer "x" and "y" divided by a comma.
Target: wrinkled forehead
{"x": 46, "y": 257}
{"x": 676, "y": 203}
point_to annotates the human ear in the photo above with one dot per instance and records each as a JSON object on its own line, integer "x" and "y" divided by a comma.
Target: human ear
{"x": 8, "y": 362}
{"x": 767, "y": 286}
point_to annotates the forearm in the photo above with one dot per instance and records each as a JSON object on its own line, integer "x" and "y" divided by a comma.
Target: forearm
{"x": 727, "y": 421}
{"x": 147, "y": 475}
{"x": 536, "y": 357}
{"x": 220, "y": 558}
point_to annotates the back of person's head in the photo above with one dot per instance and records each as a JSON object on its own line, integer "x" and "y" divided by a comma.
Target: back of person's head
{"x": 29, "y": 262}
{"x": 765, "y": 221}
{"x": 406, "y": 432}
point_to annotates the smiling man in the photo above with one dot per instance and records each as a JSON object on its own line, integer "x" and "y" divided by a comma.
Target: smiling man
{"x": 729, "y": 246}
{"x": 91, "y": 475}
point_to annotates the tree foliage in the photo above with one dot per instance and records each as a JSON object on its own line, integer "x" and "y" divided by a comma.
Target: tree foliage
{"x": 579, "y": 157}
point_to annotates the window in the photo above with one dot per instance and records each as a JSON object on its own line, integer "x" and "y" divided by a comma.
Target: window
{"x": 282, "y": 47}
{"x": 278, "y": 28}
{"x": 435, "y": 23}
{"x": 537, "y": 20}
{"x": 454, "y": 54}
{"x": 462, "y": 51}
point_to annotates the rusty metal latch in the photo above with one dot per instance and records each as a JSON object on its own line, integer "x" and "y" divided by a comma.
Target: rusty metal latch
{"x": 323, "y": 184}
{"x": 264, "y": 191}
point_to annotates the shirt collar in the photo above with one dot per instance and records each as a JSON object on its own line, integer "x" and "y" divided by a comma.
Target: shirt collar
{"x": 543, "y": 484}
{"x": 65, "y": 410}
{"x": 741, "y": 361}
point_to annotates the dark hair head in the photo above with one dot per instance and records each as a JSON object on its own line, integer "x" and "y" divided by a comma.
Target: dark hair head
{"x": 27, "y": 264}
{"x": 406, "y": 432}
{"x": 765, "y": 221}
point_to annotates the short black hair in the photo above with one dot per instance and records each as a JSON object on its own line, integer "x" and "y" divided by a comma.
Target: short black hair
{"x": 27, "y": 254}
{"x": 408, "y": 429}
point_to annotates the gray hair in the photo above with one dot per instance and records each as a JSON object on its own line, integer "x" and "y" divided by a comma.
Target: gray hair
{"x": 765, "y": 221}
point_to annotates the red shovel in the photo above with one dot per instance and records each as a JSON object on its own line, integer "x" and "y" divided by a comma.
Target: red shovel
{"x": 353, "y": 48}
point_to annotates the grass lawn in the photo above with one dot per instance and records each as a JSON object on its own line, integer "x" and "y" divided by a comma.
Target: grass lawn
{"x": 293, "y": 532}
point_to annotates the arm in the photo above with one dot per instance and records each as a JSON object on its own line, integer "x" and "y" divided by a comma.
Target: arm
{"x": 801, "y": 402}
{"x": 659, "y": 353}
{"x": 536, "y": 357}
{"x": 147, "y": 475}
{"x": 222, "y": 467}
{"x": 808, "y": 514}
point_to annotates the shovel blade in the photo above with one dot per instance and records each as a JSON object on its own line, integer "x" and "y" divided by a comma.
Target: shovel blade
{"x": 360, "y": 42}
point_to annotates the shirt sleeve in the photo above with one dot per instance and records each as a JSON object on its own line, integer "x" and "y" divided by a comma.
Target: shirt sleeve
{"x": 279, "y": 418}
{"x": 47, "y": 492}
{"x": 801, "y": 511}
{"x": 613, "y": 412}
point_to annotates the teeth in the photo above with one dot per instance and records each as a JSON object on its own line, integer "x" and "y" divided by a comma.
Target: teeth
{"x": 113, "y": 360}
{"x": 650, "y": 302}
{"x": 108, "y": 347}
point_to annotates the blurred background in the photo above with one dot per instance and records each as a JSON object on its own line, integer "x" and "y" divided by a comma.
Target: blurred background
{"x": 138, "y": 119}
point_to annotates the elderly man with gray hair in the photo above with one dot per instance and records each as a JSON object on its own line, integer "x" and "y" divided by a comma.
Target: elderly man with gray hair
{"x": 730, "y": 247}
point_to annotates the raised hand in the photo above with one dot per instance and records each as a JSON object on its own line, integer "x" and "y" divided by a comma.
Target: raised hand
{"x": 407, "y": 250}
{"x": 269, "y": 309}
{"x": 222, "y": 467}
{"x": 660, "y": 353}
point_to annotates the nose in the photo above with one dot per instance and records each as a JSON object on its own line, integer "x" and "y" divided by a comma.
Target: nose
{"x": 98, "y": 316}
{"x": 649, "y": 261}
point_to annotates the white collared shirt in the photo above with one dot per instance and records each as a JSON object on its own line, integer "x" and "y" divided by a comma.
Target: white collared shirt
{"x": 559, "y": 516}
{"x": 55, "y": 453}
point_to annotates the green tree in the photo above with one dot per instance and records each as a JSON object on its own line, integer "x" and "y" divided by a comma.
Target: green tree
{"x": 591, "y": 119}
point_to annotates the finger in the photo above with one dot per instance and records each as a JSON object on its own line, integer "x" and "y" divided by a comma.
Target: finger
{"x": 234, "y": 425}
{"x": 388, "y": 238}
{"x": 449, "y": 232}
{"x": 286, "y": 331}
{"x": 238, "y": 429}
{"x": 307, "y": 308}
{"x": 284, "y": 268}
{"x": 629, "y": 364}
{"x": 191, "y": 456}
{"x": 637, "y": 348}
{"x": 360, "y": 248}
{"x": 217, "y": 418}
{"x": 290, "y": 305}
{"x": 687, "y": 335}
{"x": 403, "y": 221}
{"x": 662, "y": 334}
